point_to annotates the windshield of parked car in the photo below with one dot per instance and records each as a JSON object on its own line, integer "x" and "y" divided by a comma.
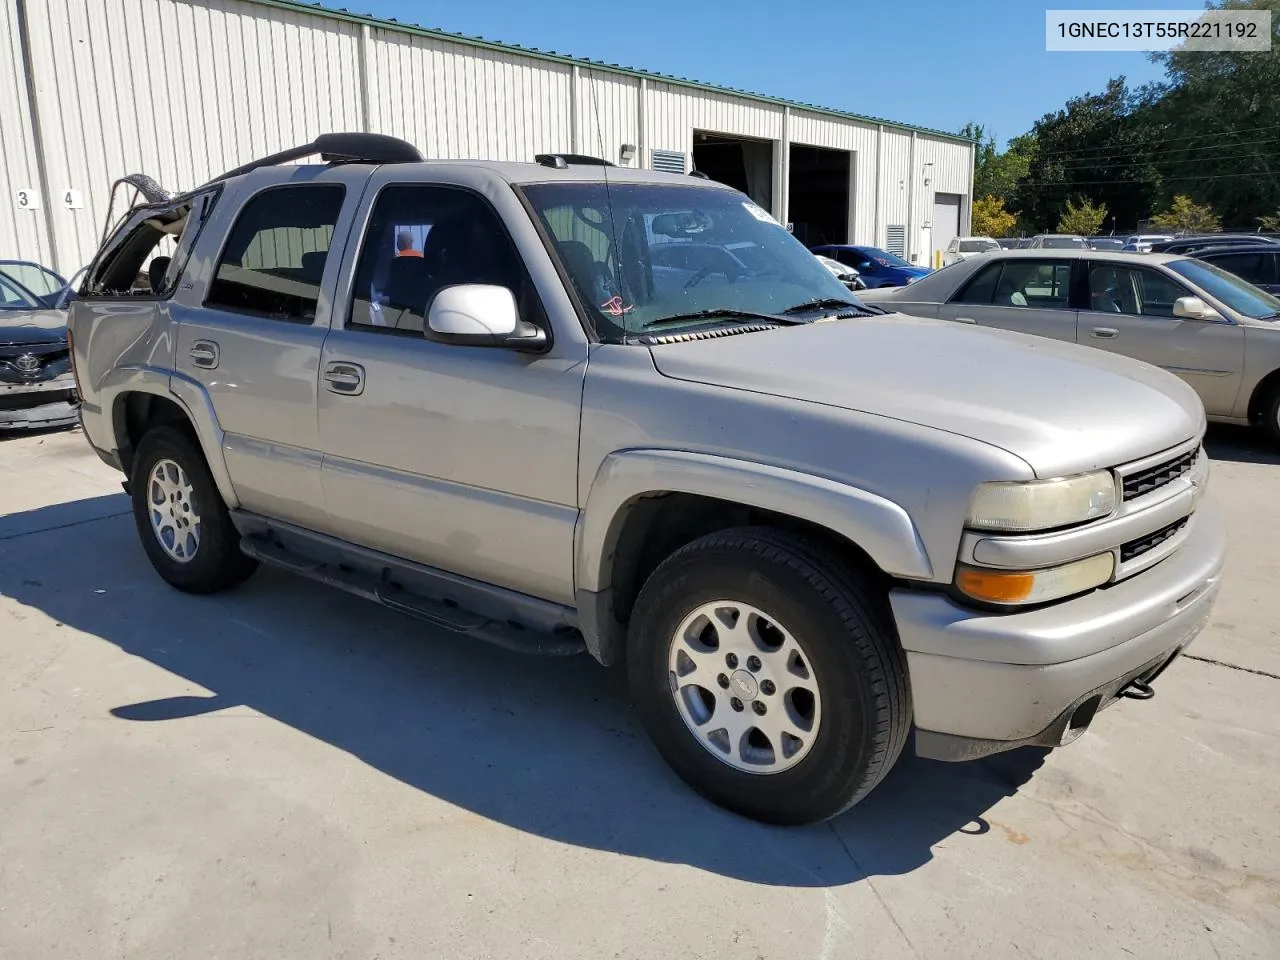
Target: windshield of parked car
{"x": 883, "y": 257}
{"x": 641, "y": 255}
{"x": 1063, "y": 243}
{"x": 41, "y": 281}
{"x": 978, "y": 246}
{"x": 1239, "y": 295}
{"x": 14, "y": 296}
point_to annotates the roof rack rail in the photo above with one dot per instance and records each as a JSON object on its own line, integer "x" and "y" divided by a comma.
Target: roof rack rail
{"x": 338, "y": 148}
{"x": 559, "y": 161}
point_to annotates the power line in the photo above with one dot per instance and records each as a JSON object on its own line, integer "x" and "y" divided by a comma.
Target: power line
{"x": 1070, "y": 184}
{"x": 1153, "y": 142}
{"x": 1143, "y": 156}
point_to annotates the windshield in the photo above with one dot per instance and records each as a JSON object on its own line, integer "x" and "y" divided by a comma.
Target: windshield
{"x": 1240, "y": 295}
{"x": 882, "y": 257}
{"x": 35, "y": 279}
{"x": 672, "y": 251}
{"x": 977, "y": 246}
{"x": 13, "y": 296}
{"x": 1063, "y": 243}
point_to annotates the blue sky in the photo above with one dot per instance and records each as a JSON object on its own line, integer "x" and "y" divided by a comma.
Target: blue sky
{"x": 935, "y": 63}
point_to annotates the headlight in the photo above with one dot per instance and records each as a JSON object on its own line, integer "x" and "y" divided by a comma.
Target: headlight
{"x": 1022, "y": 507}
{"x": 1035, "y": 586}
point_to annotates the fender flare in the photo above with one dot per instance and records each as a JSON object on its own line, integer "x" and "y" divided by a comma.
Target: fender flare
{"x": 190, "y": 396}
{"x": 879, "y": 526}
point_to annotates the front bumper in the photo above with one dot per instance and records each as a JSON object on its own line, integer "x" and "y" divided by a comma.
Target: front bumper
{"x": 46, "y": 403}
{"x": 985, "y": 682}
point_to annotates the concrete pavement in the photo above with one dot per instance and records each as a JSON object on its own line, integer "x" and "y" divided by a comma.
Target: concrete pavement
{"x": 285, "y": 771}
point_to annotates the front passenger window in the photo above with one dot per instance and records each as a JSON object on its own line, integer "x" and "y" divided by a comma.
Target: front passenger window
{"x": 421, "y": 239}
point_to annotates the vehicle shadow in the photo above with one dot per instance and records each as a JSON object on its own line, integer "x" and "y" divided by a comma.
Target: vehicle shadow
{"x": 545, "y": 746}
{"x": 1228, "y": 441}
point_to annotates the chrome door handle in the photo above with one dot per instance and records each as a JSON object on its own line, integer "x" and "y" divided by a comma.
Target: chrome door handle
{"x": 203, "y": 353}
{"x": 965, "y": 320}
{"x": 1104, "y": 333}
{"x": 344, "y": 378}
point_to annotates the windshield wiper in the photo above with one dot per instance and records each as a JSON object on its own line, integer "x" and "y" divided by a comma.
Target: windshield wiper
{"x": 834, "y": 303}
{"x": 721, "y": 313}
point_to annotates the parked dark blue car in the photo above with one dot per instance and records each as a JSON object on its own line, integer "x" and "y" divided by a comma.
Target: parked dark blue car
{"x": 878, "y": 268}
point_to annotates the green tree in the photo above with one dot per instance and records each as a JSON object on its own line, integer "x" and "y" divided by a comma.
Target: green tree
{"x": 1187, "y": 216}
{"x": 991, "y": 219}
{"x": 1270, "y": 223}
{"x": 996, "y": 174}
{"x": 1097, "y": 145}
{"x": 1219, "y": 112}
{"x": 1082, "y": 217}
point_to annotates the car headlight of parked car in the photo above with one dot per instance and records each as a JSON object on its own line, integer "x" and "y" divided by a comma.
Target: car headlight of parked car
{"x": 1027, "y": 506}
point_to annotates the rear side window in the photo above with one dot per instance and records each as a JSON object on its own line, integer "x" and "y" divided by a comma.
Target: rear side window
{"x": 982, "y": 287}
{"x": 274, "y": 259}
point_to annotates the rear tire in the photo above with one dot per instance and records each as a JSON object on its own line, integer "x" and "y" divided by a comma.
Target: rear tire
{"x": 1271, "y": 416}
{"x": 846, "y": 674}
{"x": 181, "y": 518}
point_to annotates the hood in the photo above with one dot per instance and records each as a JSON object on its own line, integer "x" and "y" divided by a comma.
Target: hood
{"x": 914, "y": 271}
{"x": 1061, "y": 408}
{"x": 21, "y": 327}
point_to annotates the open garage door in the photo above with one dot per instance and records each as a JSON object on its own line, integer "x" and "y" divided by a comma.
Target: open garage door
{"x": 741, "y": 162}
{"x": 946, "y": 223}
{"x": 818, "y": 195}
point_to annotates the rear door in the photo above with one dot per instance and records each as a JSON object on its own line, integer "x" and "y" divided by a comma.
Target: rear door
{"x": 252, "y": 345}
{"x": 1028, "y": 295}
{"x": 1131, "y": 313}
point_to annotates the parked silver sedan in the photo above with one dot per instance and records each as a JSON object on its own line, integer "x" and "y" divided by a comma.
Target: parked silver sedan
{"x": 1217, "y": 332}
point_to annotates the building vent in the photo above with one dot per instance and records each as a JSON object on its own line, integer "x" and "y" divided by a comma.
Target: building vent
{"x": 895, "y": 240}
{"x": 667, "y": 161}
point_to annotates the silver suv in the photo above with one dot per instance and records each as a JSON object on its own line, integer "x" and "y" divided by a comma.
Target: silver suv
{"x": 562, "y": 406}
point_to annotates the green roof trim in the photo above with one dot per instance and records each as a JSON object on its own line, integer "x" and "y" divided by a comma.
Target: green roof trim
{"x": 319, "y": 10}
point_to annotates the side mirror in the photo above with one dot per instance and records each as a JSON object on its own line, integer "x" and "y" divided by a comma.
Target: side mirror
{"x": 1193, "y": 308}
{"x": 480, "y": 315}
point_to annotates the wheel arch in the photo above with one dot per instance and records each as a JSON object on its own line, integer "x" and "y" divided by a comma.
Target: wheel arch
{"x": 1262, "y": 392}
{"x": 141, "y": 404}
{"x": 644, "y": 504}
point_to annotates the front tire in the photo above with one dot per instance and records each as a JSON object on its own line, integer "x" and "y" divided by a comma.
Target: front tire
{"x": 768, "y": 676}
{"x": 181, "y": 518}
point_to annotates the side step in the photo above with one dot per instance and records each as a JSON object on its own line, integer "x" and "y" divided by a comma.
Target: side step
{"x": 510, "y": 634}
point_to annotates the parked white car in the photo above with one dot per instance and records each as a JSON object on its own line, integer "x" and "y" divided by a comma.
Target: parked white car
{"x": 961, "y": 248}
{"x": 1141, "y": 243}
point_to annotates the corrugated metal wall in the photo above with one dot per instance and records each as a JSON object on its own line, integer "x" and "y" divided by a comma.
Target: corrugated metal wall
{"x": 238, "y": 80}
{"x": 22, "y": 226}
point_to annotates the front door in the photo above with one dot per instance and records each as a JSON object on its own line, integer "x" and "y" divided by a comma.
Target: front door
{"x": 1018, "y": 293}
{"x": 463, "y": 458}
{"x": 1131, "y": 312}
{"x": 253, "y": 345}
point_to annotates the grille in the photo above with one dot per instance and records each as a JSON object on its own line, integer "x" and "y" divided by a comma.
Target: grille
{"x": 1136, "y": 548}
{"x": 1153, "y": 478}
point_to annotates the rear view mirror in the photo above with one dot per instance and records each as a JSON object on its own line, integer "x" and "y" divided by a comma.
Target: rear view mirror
{"x": 1193, "y": 308}
{"x": 480, "y": 315}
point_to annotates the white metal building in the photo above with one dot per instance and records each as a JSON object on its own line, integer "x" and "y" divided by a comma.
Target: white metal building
{"x": 182, "y": 90}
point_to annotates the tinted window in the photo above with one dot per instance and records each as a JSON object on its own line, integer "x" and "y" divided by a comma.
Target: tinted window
{"x": 1061, "y": 243}
{"x": 981, "y": 288}
{"x": 274, "y": 259}
{"x": 1131, "y": 290}
{"x": 424, "y": 238}
{"x": 977, "y": 246}
{"x": 1254, "y": 267}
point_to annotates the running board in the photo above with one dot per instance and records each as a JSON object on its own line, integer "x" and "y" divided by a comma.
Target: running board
{"x": 511, "y": 634}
